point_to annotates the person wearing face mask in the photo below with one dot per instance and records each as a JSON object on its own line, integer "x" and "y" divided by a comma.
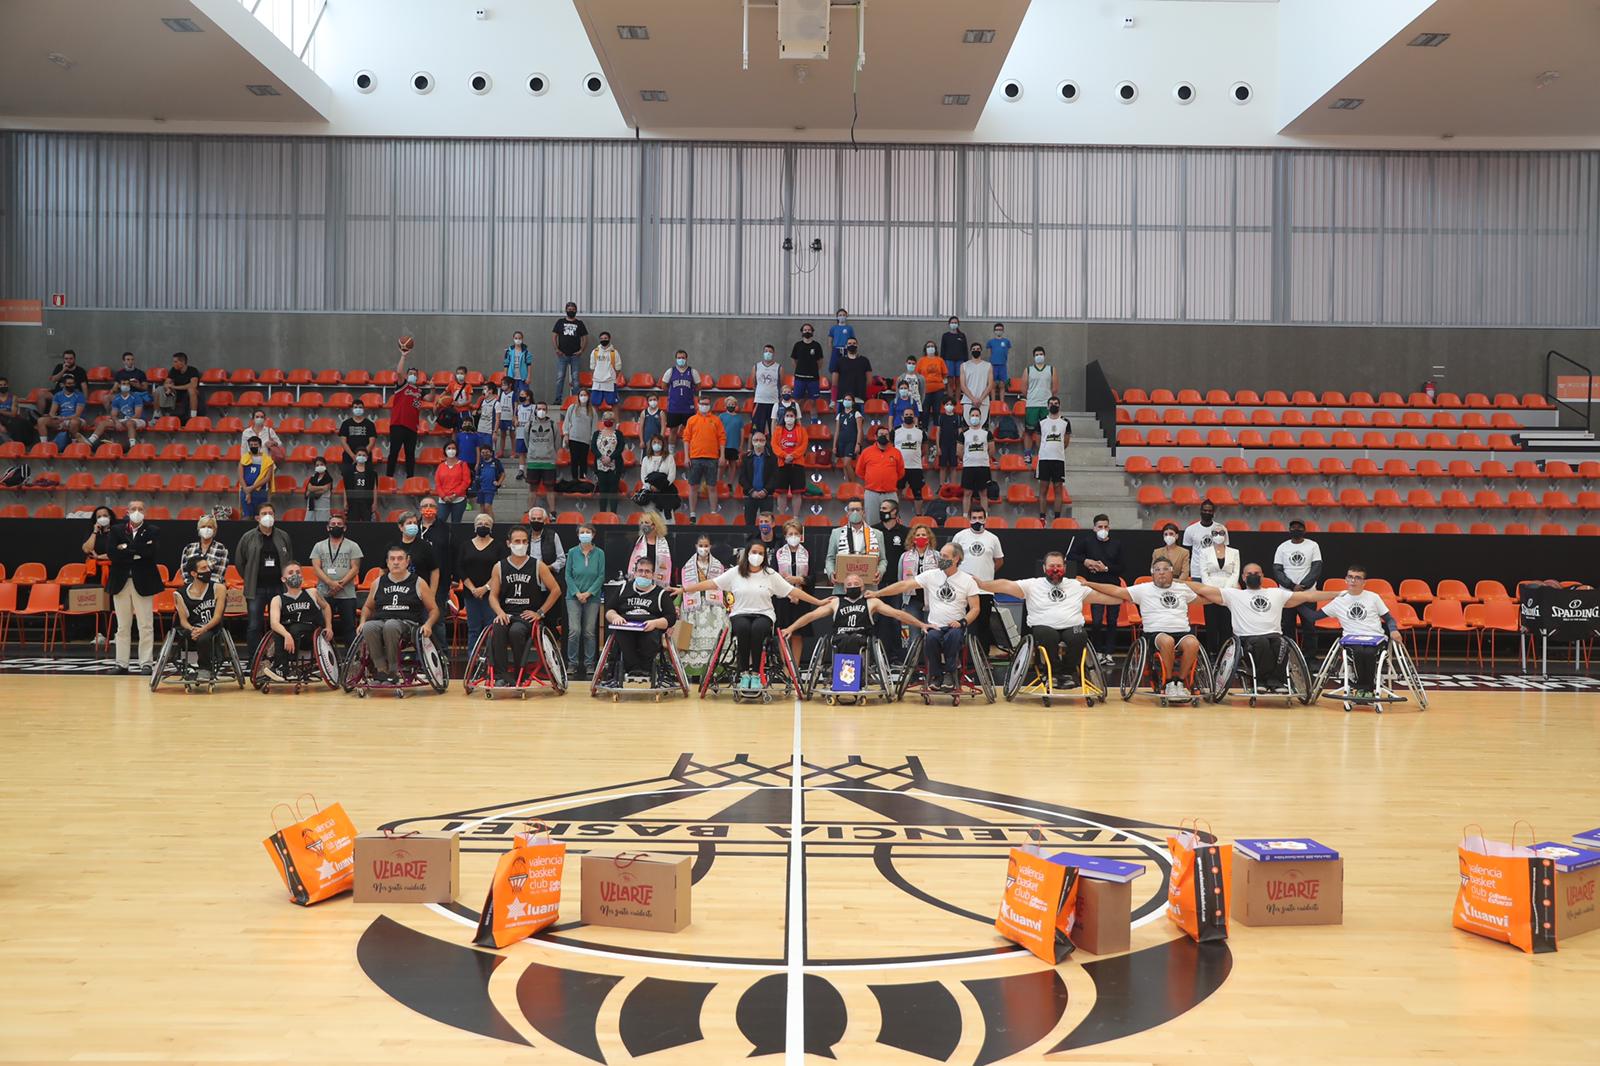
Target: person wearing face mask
{"x": 569, "y": 337}
{"x": 1164, "y": 612}
{"x": 336, "y": 567}
{"x": 64, "y": 413}
{"x": 847, "y": 437}
{"x": 1297, "y": 566}
{"x": 606, "y": 447}
{"x": 767, "y": 380}
{"x": 840, "y": 334}
{"x": 904, "y": 404}
{"x": 705, "y": 613}
{"x": 882, "y": 469}
{"x": 921, "y": 554}
{"x": 577, "y": 430}
{"x": 440, "y": 538}
{"x": 999, "y": 349}
{"x": 97, "y": 545}
{"x": 197, "y": 614}
{"x": 790, "y": 560}
{"x": 294, "y": 616}
{"x": 652, "y": 544}
{"x": 972, "y": 453}
{"x": 260, "y": 427}
{"x": 704, "y": 439}
{"x": 650, "y": 422}
{"x": 456, "y": 410}
{"x": 586, "y": 576}
{"x": 947, "y": 427}
{"x": 497, "y": 424}
{"x": 1053, "y": 605}
{"x": 1256, "y": 618}
{"x": 896, "y": 540}
{"x": 1099, "y": 558}
{"x": 541, "y": 465}
{"x": 855, "y": 538}
{"x": 758, "y": 476}
{"x": 1052, "y": 435}
{"x": 133, "y": 582}
{"x": 487, "y": 480}
{"x": 360, "y": 488}
{"x": 754, "y": 586}
{"x": 357, "y": 434}
{"x": 981, "y": 557}
{"x": 475, "y": 559}
{"x": 206, "y": 547}
{"x": 1219, "y": 568}
{"x": 766, "y": 532}
{"x": 851, "y": 375}
{"x": 807, "y": 358}
{"x": 16, "y": 420}
{"x": 856, "y": 619}
{"x": 914, "y": 384}
{"x": 953, "y": 604}
{"x": 657, "y": 473}
{"x": 933, "y": 372}
{"x": 544, "y": 545}
{"x": 319, "y": 492}
{"x": 1041, "y": 387}
{"x": 128, "y": 408}
{"x": 256, "y": 470}
{"x": 405, "y": 413}
{"x": 977, "y": 381}
{"x": 261, "y": 555}
{"x": 518, "y": 362}
{"x": 605, "y": 369}
{"x": 640, "y": 601}
{"x": 1172, "y": 551}
{"x": 1199, "y": 536}
{"x": 681, "y": 385}
{"x": 789, "y": 441}
{"x": 398, "y": 601}
{"x": 733, "y": 426}
{"x": 955, "y": 351}
{"x": 420, "y": 557}
{"x": 909, "y": 443}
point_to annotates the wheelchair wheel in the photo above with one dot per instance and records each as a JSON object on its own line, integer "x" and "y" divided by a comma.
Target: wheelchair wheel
{"x": 1090, "y": 667}
{"x": 601, "y": 661}
{"x": 1330, "y": 663}
{"x": 909, "y": 667}
{"x": 232, "y": 649}
{"x": 476, "y": 674}
{"x": 1133, "y": 667}
{"x": 819, "y": 656}
{"x": 791, "y": 672}
{"x": 355, "y": 665}
{"x": 1227, "y": 664}
{"x": 431, "y": 663}
{"x": 555, "y": 666}
{"x": 1407, "y": 670}
{"x": 670, "y": 651}
{"x": 1204, "y": 678}
{"x": 714, "y": 664}
{"x": 1021, "y": 666}
{"x": 160, "y": 666}
{"x": 980, "y": 667}
{"x": 327, "y": 659}
{"x": 1299, "y": 675}
{"x": 258, "y": 663}
{"x": 881, "y": 658}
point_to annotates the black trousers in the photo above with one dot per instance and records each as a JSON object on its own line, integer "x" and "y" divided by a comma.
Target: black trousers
{"x": 579, "y": 452}
{"x": 637, "y": 650}
{"x": 302, "y": 634}
{"x": 403, "y": 437}
{"x": 344, "y": 620}
{"x": 1065, "y": 648}
{"x": 1364, "y": 661}
{"x": 1219, "y": 627}
{"x": 507, "y": 646}
{"x": 1103, "y": 625}
{"x": 888, "y": 633}
{"x": 1268, "y": 653}
{"x": 752, "y": 632}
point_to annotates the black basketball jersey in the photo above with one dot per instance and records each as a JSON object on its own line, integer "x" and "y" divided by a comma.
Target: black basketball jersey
{"x": 201, "y": 608}
{"x": 300, "y": 610}
{"x": 400, "y": 599}
{"x": 637, "y": 606}
{"x": 852, "y": 617}
{"x": 519, "y": 585}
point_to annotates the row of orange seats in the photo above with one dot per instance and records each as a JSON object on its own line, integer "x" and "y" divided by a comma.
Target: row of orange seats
{"x": 1356, "y": 499}
{"x": 1331, "y": 398}
{"x": 1372, "y": 439}
{"x": 1457, "y": 470}
{"x": 1350, "y": 418}
{"x": 1475, "y": 529}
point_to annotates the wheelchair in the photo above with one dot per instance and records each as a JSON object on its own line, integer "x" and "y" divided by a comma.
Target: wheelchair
{"x": 1031, "y": 673}
{"x": 420, "y": 666}
{"x": 306, "y": 667}
{"x": 722, "y": 670}
{"x": 1143, "y": 664}
{"x": 974, "y": 676}
{"x": 1394, "y": 665}
{"x": 1236, "y": 664}
{"x": 666, "y": 672}
{"x": 173, "y": 664}
{"x": 541, "y": 667}
{"x": 876, "y": 678}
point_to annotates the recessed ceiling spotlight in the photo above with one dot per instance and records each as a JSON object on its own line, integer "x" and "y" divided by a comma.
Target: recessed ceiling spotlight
{"x": 1067, "y": 92}
{"x": 1428, "y": 40}
{"x": 1347, "y": 103}
{"x": 263, "y": 90}
{"x": 978, "y": 37}
{"x": 1183, "y": 92}
{"x": 957, "y": 99}
{"x": 634, "y": 33}
{"x": 182, "y": 25}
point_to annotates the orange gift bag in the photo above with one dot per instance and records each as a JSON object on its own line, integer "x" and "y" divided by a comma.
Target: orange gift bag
{"x": 525, "y": 894}
{"x": 315, "y": 856}
{"x": 1507, "y": 892}
{"x": 1197, "y": 891}
{"x": 1039, "y": 904}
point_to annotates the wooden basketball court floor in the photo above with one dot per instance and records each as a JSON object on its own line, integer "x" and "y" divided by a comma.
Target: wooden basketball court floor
{"x": 144, "y": 921}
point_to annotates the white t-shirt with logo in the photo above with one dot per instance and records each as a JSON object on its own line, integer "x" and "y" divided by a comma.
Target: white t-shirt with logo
{"x": 947, "y": 596}
{"x": 753, "y": 594}
{"x": 768, "y": 376}
{"x": 1057, "y": 606}
{"x": 602, "y": 365}
{"x": 1256, "y": 612}
{"x": 1361, "y": 616}
{"x": 1197, "y": 538}
{"x": 1053, "y": 430}
{"x": 975, "y": 440}
{"x": 979, "y": 551}
{"x": 909, "y": 440}
{"x": 1296, "y": 559}
{"x": 1163, "y": 610}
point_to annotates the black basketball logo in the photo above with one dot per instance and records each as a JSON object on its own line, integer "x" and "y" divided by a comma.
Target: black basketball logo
{"x": 1057, "y": 595}
{"x": 946, "y": 593}
{"x": 1297, "y": 559}
{"x": 976, "y": 549}
{"x": 1357, "y": 612}
{"x": 1260, "y": 604}
{"x": 1169, "y": 601}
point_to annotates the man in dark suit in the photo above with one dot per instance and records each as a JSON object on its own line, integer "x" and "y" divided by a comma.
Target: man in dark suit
{"x": 758, "y": 475}
{"x": 437, "y": 534}
{"x": 1099, "y": 558}
{"x": 133, "y": 583}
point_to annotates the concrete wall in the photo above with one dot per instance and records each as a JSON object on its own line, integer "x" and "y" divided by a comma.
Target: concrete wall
{"x": 1174, "y": 355}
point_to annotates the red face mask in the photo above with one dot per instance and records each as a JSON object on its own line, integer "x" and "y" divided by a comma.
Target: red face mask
{"x": 1055, "y": 573}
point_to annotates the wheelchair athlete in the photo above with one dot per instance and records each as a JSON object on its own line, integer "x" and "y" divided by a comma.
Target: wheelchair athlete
{"x": 953, "y": 605}
{"x": 639, "y": 602}
{"x": 294, "y": 616}
{"x": 1363, "y": 617}
{"x": 198, "y": 617}
{"x": 1257, "y": 614}
{"x": 1055, "y": 615}
{"x": 752, "y": 619}
{"x": 399, "y": 599}
{"x": 514, "y": 585}
{"x": 1164, "y": 606}
{"x": 855, "y": 622}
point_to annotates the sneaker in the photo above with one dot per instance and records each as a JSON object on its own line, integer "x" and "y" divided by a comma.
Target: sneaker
{"x": 520, "y": 476}
{"x": 1180, "y": 690}
{"x": 271, "y": 673}
{"x": 1027, "y": 457}
{"x": 1171, "y": 689}
{"x": 205, "y": 676}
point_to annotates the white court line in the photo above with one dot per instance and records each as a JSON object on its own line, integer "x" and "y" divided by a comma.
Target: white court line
{"x": 795, "y": 1016}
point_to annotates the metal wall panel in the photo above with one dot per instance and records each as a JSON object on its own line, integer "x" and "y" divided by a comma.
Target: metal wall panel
{"x": 988, "y": 232}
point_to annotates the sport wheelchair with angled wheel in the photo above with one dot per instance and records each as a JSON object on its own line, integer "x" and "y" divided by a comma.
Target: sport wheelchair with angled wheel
{"x": 178, "y": 661}
{"x": 974, "y": 677}
{"x": 1032, "y": 673}
{"x": 1143, "y": 664}
{"x": 305, "y": 667}
{"x": 1393, "y": 666}
{"x": 541, "y": 665}
{"x": 874, "y": 680}
{"x": 776, "y": 667}
{"x": 1237, "y": 662}
{"x": 420, "y": 666}
{"x": 665, "y": 677}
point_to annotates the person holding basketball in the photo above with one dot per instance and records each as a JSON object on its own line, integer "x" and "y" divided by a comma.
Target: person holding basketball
{"x": 405, "y": 414}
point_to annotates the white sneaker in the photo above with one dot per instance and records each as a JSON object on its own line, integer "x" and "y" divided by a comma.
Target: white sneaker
{"x": 1180, "y": 690}
{"x": 1171, "y": 689}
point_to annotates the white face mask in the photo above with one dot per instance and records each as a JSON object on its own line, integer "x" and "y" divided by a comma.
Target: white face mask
{"x": 702, "y": 550}
{"x": 1038, "y": 360}
{"x": 411, "y": 379}
{"x": 266, "y": 521}
{"x": 519, "y": 549}
{"x": 766, "y": 357}
{"x": 135, "y": 517}
{"x": 206, "y": 532}
{"x": 102, "y": 521}
{"x": 793, "y": 539}
{"x": 319, "y": 468}
{"x": 1170, "y": 538}
{"x": 757, "y": 559}
{"x": 930, "y": 350}
{"x": 656, "y": 448}
{"x": 1103, "y": 534}
{"x": 652, "y": 405}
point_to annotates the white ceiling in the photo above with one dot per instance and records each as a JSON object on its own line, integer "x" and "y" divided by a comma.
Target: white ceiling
{"x": 914, "y": 57}
{"x": 1479, "y": 83}
{"x": 125, "y": 64}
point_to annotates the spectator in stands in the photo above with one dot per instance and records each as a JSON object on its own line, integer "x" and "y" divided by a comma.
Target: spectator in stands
{"x": 358, "y": 434}
{"x": 452, "y": 480}
{"x": 475, "y": 560}
{"x": 457, "y": 411}
{"x": 405, "y": 414}
{"x": 790, "y": 443}
{"x": 767, "y": 380}
{"x": 1219, "y": 568}
{"x": 523, "y": 419}
{"x": 807, "y": 357}
{"x": 759, "y": 476}
{"x": 972, "y": 454}
{"x": 855, "y": 537}
{"x": 977, "y": 381}
{"x": 733, "y": 430}
{"x": 999, "y": 347}
{"x": 954, "y": 350}
{"x": 1171, "y": 550}
{"x": 182, "y": 388}
{"x": 792, "y": 562}
{"x": 947, "y": 427}
{"x": 262, "y": 429}
{"x": 912, "y": 382}
{"x": 134, "y": 580}
{"x": 208, "y": 547}
{"x": 787, "y": 403}
{"x": 424, "y": 563}
{"x": 920, "y": 557}
{"x": 440, "y": 538}
{"x": 765, "y": 532}
{"x": 1040, "y": 388}
{"x": 586, "y": 577}
{"x": 518, "y": 362}
{"x": 847, "y": 434}
{"x": 852, "y": 375}
{"x": 652, "y": 545}
{"x": 130, "y": 372}
{"x": 256, "y": 470}
{"x": 16, "y": 423}
{"x": 360, "y": 488}
{"x": 64, "y": 412}
{"x": 981, "y": 556}
{"x": 1297, "y": 566}
{"x": 128, "y": 411}
{"x": 909, "y": 442}
{"x": 570, "y": 339}
{"x": 320, "y": 489}
{"x": 903, "y": 404}
{"x": 1052, "y": 435}
{"x": 97, "y": 545}
{"x": 198, "y": 614}
{"x": 544, "y": 545}
{"x": 541, "y": 468}
{"x": 933, "y": 372}
{"x": 1199, "y": 536}
{"x": 261, "y": 555}
{"x": 1099, "y": 558}
{"x": 681, "y": 384}
{"x": 895, "y": 539}
{"x": 881, "y": 468}
{"x": 840, "y": 334}
{"x": 651, "y": 423}
{"x": 605, "y": 369}
{"x": 657, "y": 472}
{"x": 489, "y": 476}
{"x": 497, "y": 422}
{"x": 336, "y": 566}
{"x": 703, "y": 611}
{"x": 294, "y": 616}
{"x": 67, "y": 368}
{"x": 577, "y": 430}
{"x": 607, "y": 448}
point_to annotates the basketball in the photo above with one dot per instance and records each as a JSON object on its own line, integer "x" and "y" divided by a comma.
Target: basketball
{"x": 407, "y": 343}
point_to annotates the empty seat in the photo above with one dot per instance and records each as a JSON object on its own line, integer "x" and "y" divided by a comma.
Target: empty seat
{"x": 1244, "y": 397}
{"x": 1413, "y": 527}
{"x": 1273, "y": 398}
{"x": 1252, "y": 496}
{"x": 1203, "y": 466}
{"x": 1421, "y": 500}
{"x": 1388, "y": 499}
{"x": 1215, "y": 397}
{"x": 1286, "y": 497}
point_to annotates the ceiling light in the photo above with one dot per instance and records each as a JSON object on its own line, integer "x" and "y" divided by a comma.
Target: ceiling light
{"x": 181, "y": 25}
{"x": 634, "y": 33}
{"x": 1545, "y": 78}
{"x": 263, "y": 90}
{"x": 1428, "y": 40}
{"x": 957, "y": 99}
{"x": 61, "y": 61}
{"x": 653, "y": 96}
{"x": 1347, "y": 103}
{"x": 978, "y": 37}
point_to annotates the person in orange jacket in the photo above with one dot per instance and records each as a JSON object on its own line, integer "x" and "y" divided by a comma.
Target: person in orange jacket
{"x": 704, "y": 438}
{"x": 881, "y": 467}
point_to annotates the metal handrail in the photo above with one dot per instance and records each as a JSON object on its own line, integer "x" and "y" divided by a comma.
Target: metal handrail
{"x": 1588, "y": 408}
{"x": 1101, "y": 401}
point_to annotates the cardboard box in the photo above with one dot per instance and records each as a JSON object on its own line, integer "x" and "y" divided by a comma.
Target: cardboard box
{"x": 1577, "y": 888}
{"x": 409, "y": 868}
{"x": 1103, "y": 923}
{"x": 865, "y": 565}
{"x": 636, "y": 890}
{"x": 1294, "y": 892}
{"x": 85, "y": 598}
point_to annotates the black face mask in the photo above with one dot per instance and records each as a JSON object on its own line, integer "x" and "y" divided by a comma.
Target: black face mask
{"x": 852, "y": 594}
{"x": 335, "y": 532}
{"x": 1055, "y": 408}
{"x": 536, "y": 526}
{"x": 1252, "y": 581}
